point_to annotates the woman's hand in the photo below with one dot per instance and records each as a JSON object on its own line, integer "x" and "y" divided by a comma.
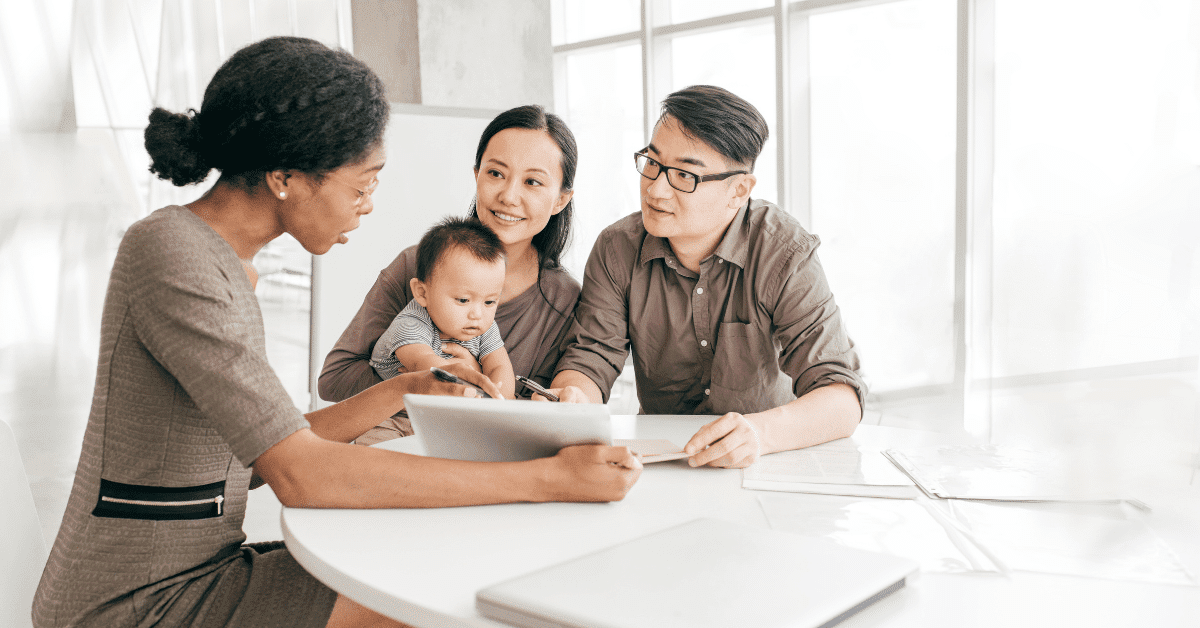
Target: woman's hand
{"x": 425, "y": 383}
{"x": 591, "y": 473}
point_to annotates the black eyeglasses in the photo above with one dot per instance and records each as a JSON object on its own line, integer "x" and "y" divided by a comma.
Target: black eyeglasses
{"x": 681, "y": 180}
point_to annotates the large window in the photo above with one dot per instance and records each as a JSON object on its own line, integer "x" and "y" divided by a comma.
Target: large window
{"x": 1005, "y": 191}
{"x": 1097, "y": 153}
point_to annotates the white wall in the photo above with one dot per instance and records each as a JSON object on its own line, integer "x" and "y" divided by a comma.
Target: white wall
{"x": 476, "y": 53}
{"x": 429, "y": 175}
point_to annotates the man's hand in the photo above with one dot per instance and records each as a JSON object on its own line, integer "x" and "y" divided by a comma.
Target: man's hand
{"x": 566, "y": 394}
{"x": 731, "y": 441}
{"x": 575, "y": 387}
{"x": 592, "y": 473}
{"x": 425, "y": 383}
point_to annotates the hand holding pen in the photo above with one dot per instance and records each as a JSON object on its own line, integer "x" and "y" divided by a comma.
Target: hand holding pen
{"x": 537, "y": 388}
{"x": 447, "y": 376}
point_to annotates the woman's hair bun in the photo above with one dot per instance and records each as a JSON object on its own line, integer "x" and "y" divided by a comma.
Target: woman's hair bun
{"x": 173, "y": 142}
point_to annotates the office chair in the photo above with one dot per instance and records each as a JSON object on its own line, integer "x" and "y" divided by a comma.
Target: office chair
{"x": 23, "y": 550}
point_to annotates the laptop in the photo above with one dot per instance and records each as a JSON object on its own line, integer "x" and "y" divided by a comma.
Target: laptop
{"x": 703, "y": 573}
{"x": 504, "y": 430}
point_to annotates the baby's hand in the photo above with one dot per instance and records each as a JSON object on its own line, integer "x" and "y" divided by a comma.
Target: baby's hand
{"x": 460, "y": 355}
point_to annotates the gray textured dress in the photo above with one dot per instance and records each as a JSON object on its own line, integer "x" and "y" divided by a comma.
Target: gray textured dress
{"x": 184, "y": 402}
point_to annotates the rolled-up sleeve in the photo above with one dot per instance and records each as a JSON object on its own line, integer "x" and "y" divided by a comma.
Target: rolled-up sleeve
{"x": 598, "y": 341}
{"x": 815, "y": 349}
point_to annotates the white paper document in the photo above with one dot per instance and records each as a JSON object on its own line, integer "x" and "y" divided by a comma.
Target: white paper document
{"x": 1111, "y": 541}
{"x": 902, "y": 527}
{"x": 1003, "y": 473}
{"x": 839, "y": 467}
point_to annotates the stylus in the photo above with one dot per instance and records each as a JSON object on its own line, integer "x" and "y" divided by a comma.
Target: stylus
{"x": 453, "y": 379}
{"x": 537, "y": 388}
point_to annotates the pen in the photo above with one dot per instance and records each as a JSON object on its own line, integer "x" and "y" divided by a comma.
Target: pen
{"x": 537, "y": 388}
{"x": 448, "y": 377}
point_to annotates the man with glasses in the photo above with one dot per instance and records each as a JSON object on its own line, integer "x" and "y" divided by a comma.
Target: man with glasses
{"x": 721, "y": 299}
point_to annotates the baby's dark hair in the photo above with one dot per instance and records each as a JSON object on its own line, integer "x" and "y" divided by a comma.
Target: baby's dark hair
{"x": 466, "y": 233}
{"x": 283, "y": 103}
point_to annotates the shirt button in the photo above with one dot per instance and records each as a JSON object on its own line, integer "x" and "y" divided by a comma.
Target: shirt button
{"x": 699, "y": 290}
{"x": 720, "y": 261}
{"x": 706, "y": 391}
{"x": 703, "y": 343}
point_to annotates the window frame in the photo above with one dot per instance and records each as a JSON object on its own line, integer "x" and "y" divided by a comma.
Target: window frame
{"x": 970, "y": 390}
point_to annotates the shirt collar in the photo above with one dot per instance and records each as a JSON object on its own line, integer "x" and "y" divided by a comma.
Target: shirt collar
{"x": 654, "y": 248}
{"x": 731, "y": 248}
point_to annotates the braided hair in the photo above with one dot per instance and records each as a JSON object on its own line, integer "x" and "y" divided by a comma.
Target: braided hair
{"x": 283, "y": 103}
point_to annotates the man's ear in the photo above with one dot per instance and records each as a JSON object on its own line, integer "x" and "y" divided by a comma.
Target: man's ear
{"x": 420, "y": 293}
{"x": 739, "y": 191}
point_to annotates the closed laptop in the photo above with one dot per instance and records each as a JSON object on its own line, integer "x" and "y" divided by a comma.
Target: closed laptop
{"x": 704, "y": 573}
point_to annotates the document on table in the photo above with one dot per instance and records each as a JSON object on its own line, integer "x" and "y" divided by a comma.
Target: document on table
{"x": 1111, "y": 541}
{"x": 839, "y": 467}
{"x": 1002, "y": 473}
{"x": 910, "y": 528}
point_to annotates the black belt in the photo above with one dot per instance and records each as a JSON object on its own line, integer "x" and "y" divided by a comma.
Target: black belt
{"x": 159, "y": 503}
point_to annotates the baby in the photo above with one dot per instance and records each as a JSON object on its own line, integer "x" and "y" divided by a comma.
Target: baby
{"x": 460, "y": 274}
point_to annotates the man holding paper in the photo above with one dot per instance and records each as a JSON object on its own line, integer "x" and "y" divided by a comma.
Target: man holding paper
{"x": 721, "y": 299}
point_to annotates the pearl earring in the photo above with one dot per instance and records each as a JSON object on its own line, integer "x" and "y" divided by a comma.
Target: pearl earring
{"x": 283, "y": 195}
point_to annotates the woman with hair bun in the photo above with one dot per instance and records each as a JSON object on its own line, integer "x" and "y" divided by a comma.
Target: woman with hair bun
{"x": 186, "y": 408}
{"x": 524, "y": 175}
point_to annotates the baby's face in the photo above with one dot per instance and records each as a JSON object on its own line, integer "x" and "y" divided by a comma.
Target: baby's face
{"x": 462, "y": 293}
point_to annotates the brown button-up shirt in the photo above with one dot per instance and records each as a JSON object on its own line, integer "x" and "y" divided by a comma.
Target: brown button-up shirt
{"x": 756, "y": 328}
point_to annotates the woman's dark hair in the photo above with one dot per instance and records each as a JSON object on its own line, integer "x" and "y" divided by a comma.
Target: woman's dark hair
{"x": 552, "y": 239}
{"x": 720, "y": 119}
{"x": 465, "y": 233}
{"x": 283, "y": 103}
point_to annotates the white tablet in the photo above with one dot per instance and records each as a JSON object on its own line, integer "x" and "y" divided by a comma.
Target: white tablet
{"x": 496, "y": 430}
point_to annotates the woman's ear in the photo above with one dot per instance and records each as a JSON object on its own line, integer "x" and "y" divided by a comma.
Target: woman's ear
{"x": 419, "y": 291}
{"x": 564, "y": 197}
{"x": 279, "y": 183}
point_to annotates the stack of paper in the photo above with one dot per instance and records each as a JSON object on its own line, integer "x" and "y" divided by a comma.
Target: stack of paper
{"x": 840, "y": 467}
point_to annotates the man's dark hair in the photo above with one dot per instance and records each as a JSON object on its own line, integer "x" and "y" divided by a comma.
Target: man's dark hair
{"x": 466, "y": 233}
{"x": 283, "y": 103}
{"x": 720, "y": 119}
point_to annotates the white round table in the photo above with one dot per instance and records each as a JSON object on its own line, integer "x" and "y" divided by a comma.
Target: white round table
{"x": 423, "y": 566}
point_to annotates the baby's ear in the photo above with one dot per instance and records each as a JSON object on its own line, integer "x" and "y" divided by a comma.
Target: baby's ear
{"x": 419, "y": 292}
